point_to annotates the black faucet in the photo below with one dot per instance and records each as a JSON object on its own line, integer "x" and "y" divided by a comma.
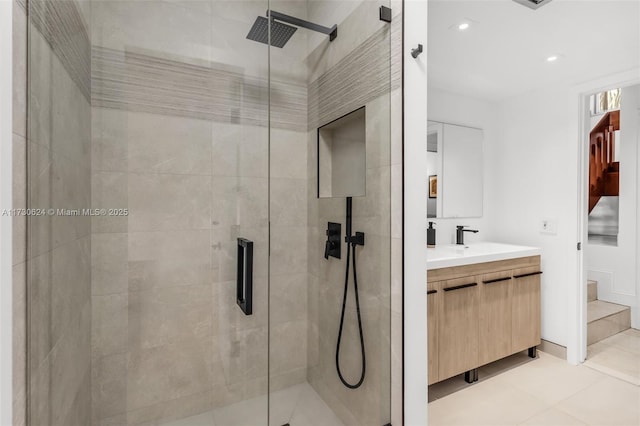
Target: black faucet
{"x": 460, "y": 234}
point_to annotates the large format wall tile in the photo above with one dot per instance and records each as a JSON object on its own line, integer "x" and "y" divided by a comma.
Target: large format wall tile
{"x": 173, "y": 27}
{"x": 287, "y": 347}
{"x": 168, "y": 372}
{"x": 109, "y": 191}
{"x": 168, "y": 202}
{"x": 109, "y": 324}
{"x": 168, "y": 259}
{"x": 229, "y": 318}
{"x": 240, "y": 201}
{"x": 109, "y": 386}
{"x": 109, "y": 257}
{"x": 59, "y": 286}
{"x": 165, "y": 144}
{"x": 240, "y": 150}
{"x": 288, "y": 202}
{"x": 110, "y": 140}
{"x": 70, "y": 285}
{"x": 61, "y": 377}
{"x": 243, "y": 354}
{"x": 162, "y": 316}
{"x": 288, "y": 298}
{"x": 288, "y": 154}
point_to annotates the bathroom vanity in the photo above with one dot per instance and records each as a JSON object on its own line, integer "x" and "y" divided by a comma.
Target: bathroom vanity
{"x": 483, "y": 302}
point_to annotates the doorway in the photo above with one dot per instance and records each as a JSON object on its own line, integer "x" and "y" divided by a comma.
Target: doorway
{"x": 609, "y": 226}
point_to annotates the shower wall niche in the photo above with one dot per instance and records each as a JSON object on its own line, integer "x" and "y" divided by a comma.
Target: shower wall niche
{"x": 342, "y": 156}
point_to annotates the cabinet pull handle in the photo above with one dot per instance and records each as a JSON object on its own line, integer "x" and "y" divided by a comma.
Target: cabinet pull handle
{"x": 527, "y": 275}
{"x": 432, "y": 291}
{"x": 458, "y": 287}
{"x": 496, "y": 280}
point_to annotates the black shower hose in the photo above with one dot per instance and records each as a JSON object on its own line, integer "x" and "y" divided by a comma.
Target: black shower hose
{"x": 351, "y": 246}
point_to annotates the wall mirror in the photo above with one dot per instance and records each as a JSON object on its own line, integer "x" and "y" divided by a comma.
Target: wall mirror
{"x": 454, "y": 167}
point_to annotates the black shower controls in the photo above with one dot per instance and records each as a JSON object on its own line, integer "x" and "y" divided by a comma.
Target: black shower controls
{"x": 385, "y": 14}
{"x": 332, "y": 245}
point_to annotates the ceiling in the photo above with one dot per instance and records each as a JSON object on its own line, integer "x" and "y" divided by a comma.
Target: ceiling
{"x": 504, "y": 51}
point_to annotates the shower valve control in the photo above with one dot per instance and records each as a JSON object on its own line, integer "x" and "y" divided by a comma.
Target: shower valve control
{"x": 357, "y": 239}
{"x": 332, "y": 245}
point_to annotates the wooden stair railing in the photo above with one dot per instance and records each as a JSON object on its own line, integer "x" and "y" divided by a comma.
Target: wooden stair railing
{"x": 604, "y": 173}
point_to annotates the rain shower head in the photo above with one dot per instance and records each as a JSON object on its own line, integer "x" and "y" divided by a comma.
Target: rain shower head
{"x": 280, "y": 32}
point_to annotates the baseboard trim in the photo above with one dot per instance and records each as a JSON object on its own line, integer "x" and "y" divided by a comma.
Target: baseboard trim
{"x": 554, "y": 349}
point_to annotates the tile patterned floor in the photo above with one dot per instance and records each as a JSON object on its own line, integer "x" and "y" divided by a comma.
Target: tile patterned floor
{"x": 544, "y": 391}
{"x": 297, "y": 405}
{"x": 617, "y": 356}
{"x": 515, "y": 391}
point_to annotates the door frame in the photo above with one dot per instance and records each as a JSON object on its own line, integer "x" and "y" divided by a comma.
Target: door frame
{"x": 578, "y": 130}
{"x": 6, "y": 310}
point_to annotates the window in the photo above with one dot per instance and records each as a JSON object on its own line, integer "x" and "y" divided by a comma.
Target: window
{"x": 602, "y": 102}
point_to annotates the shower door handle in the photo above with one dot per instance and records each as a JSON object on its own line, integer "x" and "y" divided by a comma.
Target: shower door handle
{"x": 244, "y": 279}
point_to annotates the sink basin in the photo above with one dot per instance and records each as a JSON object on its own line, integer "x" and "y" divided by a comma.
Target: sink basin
{"x": 479, "y": 252}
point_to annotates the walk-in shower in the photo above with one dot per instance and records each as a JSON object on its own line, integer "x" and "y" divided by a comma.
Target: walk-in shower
{"x": 198, "y": 293}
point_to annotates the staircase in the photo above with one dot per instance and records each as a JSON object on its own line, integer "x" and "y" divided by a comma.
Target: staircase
{"x": 604, "y": 172}
{"x": 604, "y": 319}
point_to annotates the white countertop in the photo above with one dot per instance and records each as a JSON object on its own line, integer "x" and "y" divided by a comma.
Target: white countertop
{"x": 448, "y": 255}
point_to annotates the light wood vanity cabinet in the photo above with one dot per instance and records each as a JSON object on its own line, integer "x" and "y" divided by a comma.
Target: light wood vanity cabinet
{"x": 480, "y": 313}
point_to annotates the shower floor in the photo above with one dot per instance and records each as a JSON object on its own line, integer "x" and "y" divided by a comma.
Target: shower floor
{"x": 297, "y": 405}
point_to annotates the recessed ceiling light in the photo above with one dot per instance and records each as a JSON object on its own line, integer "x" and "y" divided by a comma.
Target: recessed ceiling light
{"x": 554, "y": 58}
{"x": 463, "y": 24}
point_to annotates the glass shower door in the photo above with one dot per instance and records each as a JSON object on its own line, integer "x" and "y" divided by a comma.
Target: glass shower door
{"x": 148, "y": 152}
{"x": 330, "y": 147}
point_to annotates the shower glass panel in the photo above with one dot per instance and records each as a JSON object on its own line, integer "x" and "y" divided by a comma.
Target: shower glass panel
{"x": 315, "y": 79}
{"x": 155, "y": 114}
{"x": 58, "y": 252}
{"x": 175, "y": 268}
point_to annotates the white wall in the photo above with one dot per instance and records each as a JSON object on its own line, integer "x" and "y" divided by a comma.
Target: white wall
{"x": 453, "y": 108}
{"x": 6, "y": 398}
{"x": 415, "y": 215}
{"x": 531, "y": 169}
{"x": 615, "y": 267}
